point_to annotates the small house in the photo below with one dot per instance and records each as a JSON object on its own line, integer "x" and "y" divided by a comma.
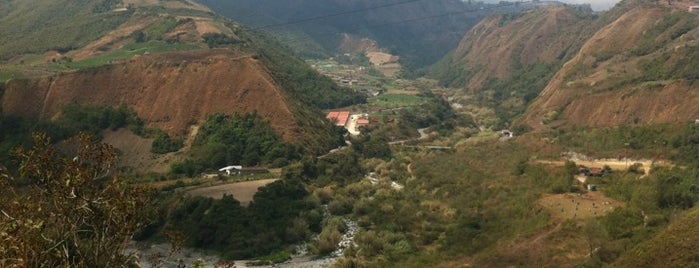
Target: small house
{"x": 693, "y": 9}
{"x": 231, "y": 169}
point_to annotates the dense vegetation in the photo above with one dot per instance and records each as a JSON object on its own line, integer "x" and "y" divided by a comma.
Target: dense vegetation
{"x": 474, "y": 205}
{"x": 678, "y": 142}
{"x": 236, "y": 140}
{"x": 479, "y": 200}
{"x": 419, "y": 31}
{"x": 280, "y": 214}
{"x": 75, "y": 119}
{"x": 453, "y": 205}
{"x": 304, "y": 82}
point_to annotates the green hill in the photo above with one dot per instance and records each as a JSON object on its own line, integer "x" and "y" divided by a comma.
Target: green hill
{"x": 150, "y": 58}
{"x": 36, "y": 26}
{"x": 673, "y": 247}
{"x": 419, "y": 31}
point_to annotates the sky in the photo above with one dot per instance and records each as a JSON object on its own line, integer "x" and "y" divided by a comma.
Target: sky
{"x": 597, "y": 5}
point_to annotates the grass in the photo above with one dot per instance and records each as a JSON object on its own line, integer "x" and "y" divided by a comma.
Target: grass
{"x": 6, "y": 76}
{"x": 179, "y": 12}
{"x": 55, "y": 24}
{"x": 673, "y": 247}
{"x": 395, "y": 100}
{"x": 127, "y": 52}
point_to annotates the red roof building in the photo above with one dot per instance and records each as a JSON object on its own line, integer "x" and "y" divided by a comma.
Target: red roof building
{"x": 362, "y": 122}
{"x": 340, "y": 118}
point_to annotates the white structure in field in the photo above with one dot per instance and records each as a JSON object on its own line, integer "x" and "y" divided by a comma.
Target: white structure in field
{"x": 231, "y": 169}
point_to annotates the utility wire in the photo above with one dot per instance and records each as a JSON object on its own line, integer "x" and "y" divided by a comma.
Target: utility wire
{"x": 299, "y": 39}
{"x": 292, "y": 22}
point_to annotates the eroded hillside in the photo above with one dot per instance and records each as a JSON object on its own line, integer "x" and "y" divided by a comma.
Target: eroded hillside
{"x": 640, "y": 68}
{"x": 172, "y": 62}
{"x": 507, "y": 59}
{"x": 170, "y": 92}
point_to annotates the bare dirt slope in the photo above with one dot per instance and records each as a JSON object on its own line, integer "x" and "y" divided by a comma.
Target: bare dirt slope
{"x": 113, "y": 40}
{"x": 169, "y": 91}
{"x": 499, "y": 45}
{"x": 638, "y": 69}
{"x": 135, "y": 151}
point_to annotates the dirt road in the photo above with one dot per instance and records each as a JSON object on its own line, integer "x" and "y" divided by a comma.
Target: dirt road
{"x": 614, "y": 164}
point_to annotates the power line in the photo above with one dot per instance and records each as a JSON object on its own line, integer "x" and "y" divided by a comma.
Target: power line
{"x": 292, "y": 22}
{"x": 299, "y": 39}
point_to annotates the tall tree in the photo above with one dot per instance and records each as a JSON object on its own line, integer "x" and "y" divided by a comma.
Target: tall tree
{"x": 67, "y": 208}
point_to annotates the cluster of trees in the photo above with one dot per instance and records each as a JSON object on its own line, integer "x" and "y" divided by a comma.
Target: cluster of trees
{"x": 74, "y": 119}
{"x": 372, "y": 145}
{"x": 217, "y": 39}
{"x": 105, "y": 5}
{"x": 163, "y": 143}
{"x": 677, "y": 142}
{"x": 281, "y": 214}
{"x": 16, "y": 132}
{"x": 247, "y": 140}
{"x": 304, "y": 82}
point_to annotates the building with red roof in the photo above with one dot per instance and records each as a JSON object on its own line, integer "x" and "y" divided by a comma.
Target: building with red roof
{"x": 340, "y": 118}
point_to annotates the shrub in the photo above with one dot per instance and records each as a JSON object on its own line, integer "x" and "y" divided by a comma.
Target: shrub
{"x": 637, "y": 168}
{"x": 163, "y": 144}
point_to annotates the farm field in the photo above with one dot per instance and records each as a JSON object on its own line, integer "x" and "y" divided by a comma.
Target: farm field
{"x": 574, "y": 206}
{"x": 241, "y": 191}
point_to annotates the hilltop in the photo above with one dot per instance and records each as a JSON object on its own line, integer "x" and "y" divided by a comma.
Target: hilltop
{"x": 122, "y": 64}
{"x": 169, "y": 91}
{"x": 506, "y": 59}
{"x": 640, "y": 68}
{"x": 420, "y": 32}
{"x": 569, "y": 66}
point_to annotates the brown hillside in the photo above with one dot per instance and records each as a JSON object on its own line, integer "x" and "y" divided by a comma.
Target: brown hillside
{"x": 675, "y": 246}
{"x": 498, "y": 45}
{"x": 170, "y": 91}
{"x": 640, "y": 68}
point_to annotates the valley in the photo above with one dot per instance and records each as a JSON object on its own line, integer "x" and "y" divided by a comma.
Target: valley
{"x": 211, "y": 133}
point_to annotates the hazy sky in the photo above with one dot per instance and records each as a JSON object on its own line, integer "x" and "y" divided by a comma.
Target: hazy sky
{"x": 597, "y": 5}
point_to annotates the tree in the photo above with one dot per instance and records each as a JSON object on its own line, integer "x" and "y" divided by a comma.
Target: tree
{"x": 68, "y": 208}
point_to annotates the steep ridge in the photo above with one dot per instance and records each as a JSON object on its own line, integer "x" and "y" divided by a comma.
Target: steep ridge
{"x": 174, "y": 63}
{"x": 640, "y": 68}
{"x": 419, "y": 31}
{"x": 508, "y": 58}
{"x": 169, "y": 91}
